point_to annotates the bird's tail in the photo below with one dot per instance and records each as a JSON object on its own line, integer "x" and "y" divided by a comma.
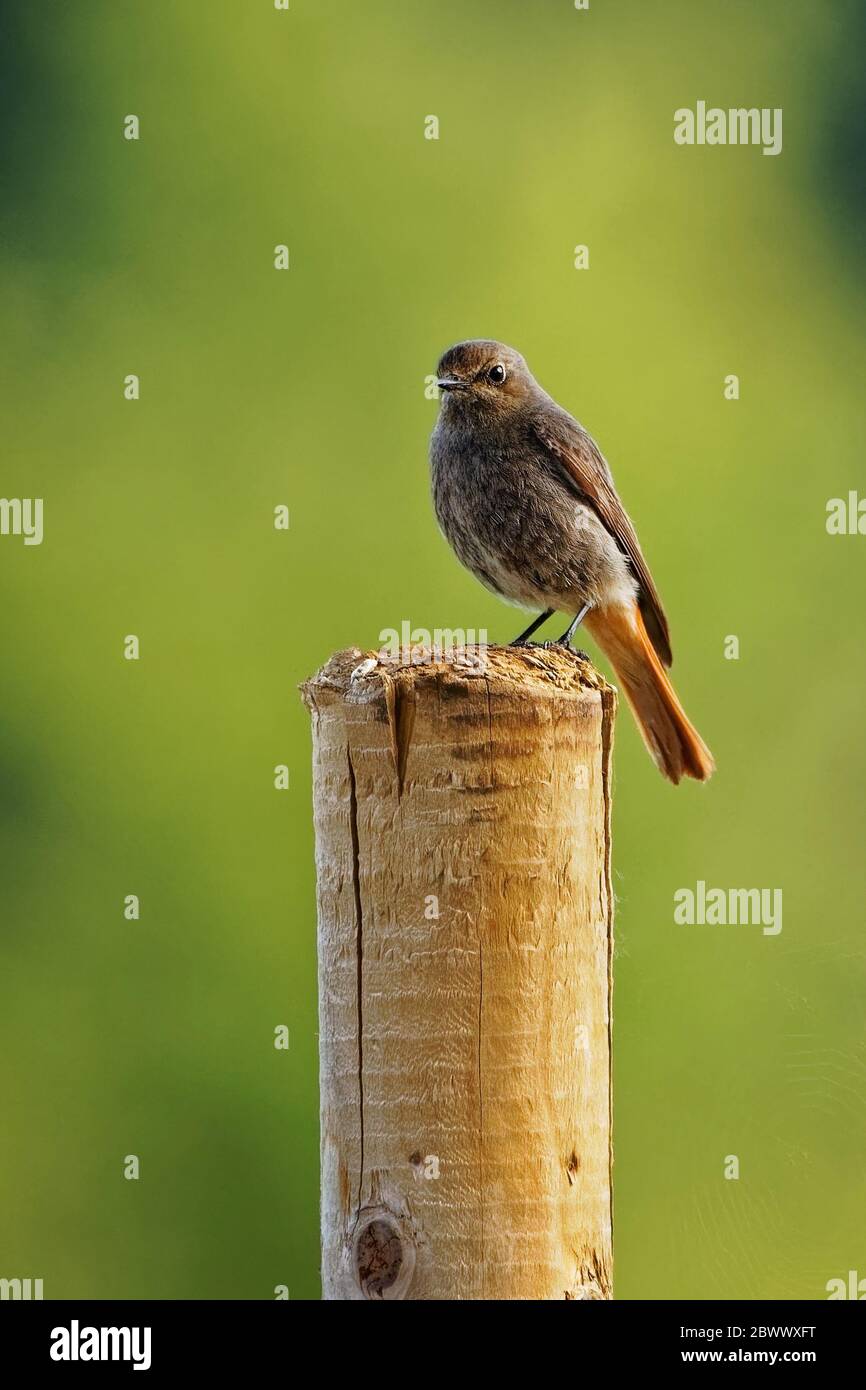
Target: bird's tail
{"x": 675, "y": 745}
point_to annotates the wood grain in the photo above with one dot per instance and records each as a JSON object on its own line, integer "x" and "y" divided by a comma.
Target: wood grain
{"x": 462, "y": 813}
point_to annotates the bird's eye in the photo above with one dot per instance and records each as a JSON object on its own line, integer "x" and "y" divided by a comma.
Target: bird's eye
{"x": 496, "y": 374}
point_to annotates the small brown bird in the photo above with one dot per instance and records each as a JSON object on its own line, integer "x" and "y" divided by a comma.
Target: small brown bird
{"x": 526, "y": 499}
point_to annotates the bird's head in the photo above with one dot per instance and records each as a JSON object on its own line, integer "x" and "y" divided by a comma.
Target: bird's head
{"x": 483, "y": 376}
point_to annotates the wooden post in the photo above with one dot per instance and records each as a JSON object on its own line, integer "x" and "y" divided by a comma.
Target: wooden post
{"x": 462, "y": 810}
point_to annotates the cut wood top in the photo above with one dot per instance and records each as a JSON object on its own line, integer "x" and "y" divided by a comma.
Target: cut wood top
{"x": 366, "y": 676}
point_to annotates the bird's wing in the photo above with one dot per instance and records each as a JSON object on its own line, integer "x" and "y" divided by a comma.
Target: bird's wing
{"x": 576, "y": 453}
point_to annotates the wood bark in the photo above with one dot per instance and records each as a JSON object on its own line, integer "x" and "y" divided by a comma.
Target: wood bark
{"x": 462, "y": 813}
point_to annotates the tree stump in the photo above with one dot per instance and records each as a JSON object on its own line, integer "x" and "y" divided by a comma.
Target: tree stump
{"x": 462, "y": 812}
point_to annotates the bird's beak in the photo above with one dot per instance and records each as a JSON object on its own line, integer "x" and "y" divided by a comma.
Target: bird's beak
{"x": 450, "y": 383}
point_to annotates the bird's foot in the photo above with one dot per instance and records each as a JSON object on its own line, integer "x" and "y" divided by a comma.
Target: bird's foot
{"x": 565, "y": 639}
{"x": 564, "y": 643}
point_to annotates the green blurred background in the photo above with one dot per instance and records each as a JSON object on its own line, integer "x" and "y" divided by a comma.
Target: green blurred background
{"x": 306, "y": 387}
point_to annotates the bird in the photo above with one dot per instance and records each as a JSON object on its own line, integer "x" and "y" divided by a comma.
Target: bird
{"x": 527, "y": 501}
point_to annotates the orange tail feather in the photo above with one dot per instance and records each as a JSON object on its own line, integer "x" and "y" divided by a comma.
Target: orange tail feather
{"x": 675, "y": 745}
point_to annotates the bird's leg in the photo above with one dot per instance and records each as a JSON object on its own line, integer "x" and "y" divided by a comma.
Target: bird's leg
{"x": 533, "y": 627}
{"x": 565, "y": 639}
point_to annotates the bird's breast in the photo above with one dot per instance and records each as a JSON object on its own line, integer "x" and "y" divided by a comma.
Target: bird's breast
{"x": 511, "y": 521}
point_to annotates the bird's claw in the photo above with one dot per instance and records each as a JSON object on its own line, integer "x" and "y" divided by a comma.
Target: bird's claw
{"x": 565, "y": 645}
